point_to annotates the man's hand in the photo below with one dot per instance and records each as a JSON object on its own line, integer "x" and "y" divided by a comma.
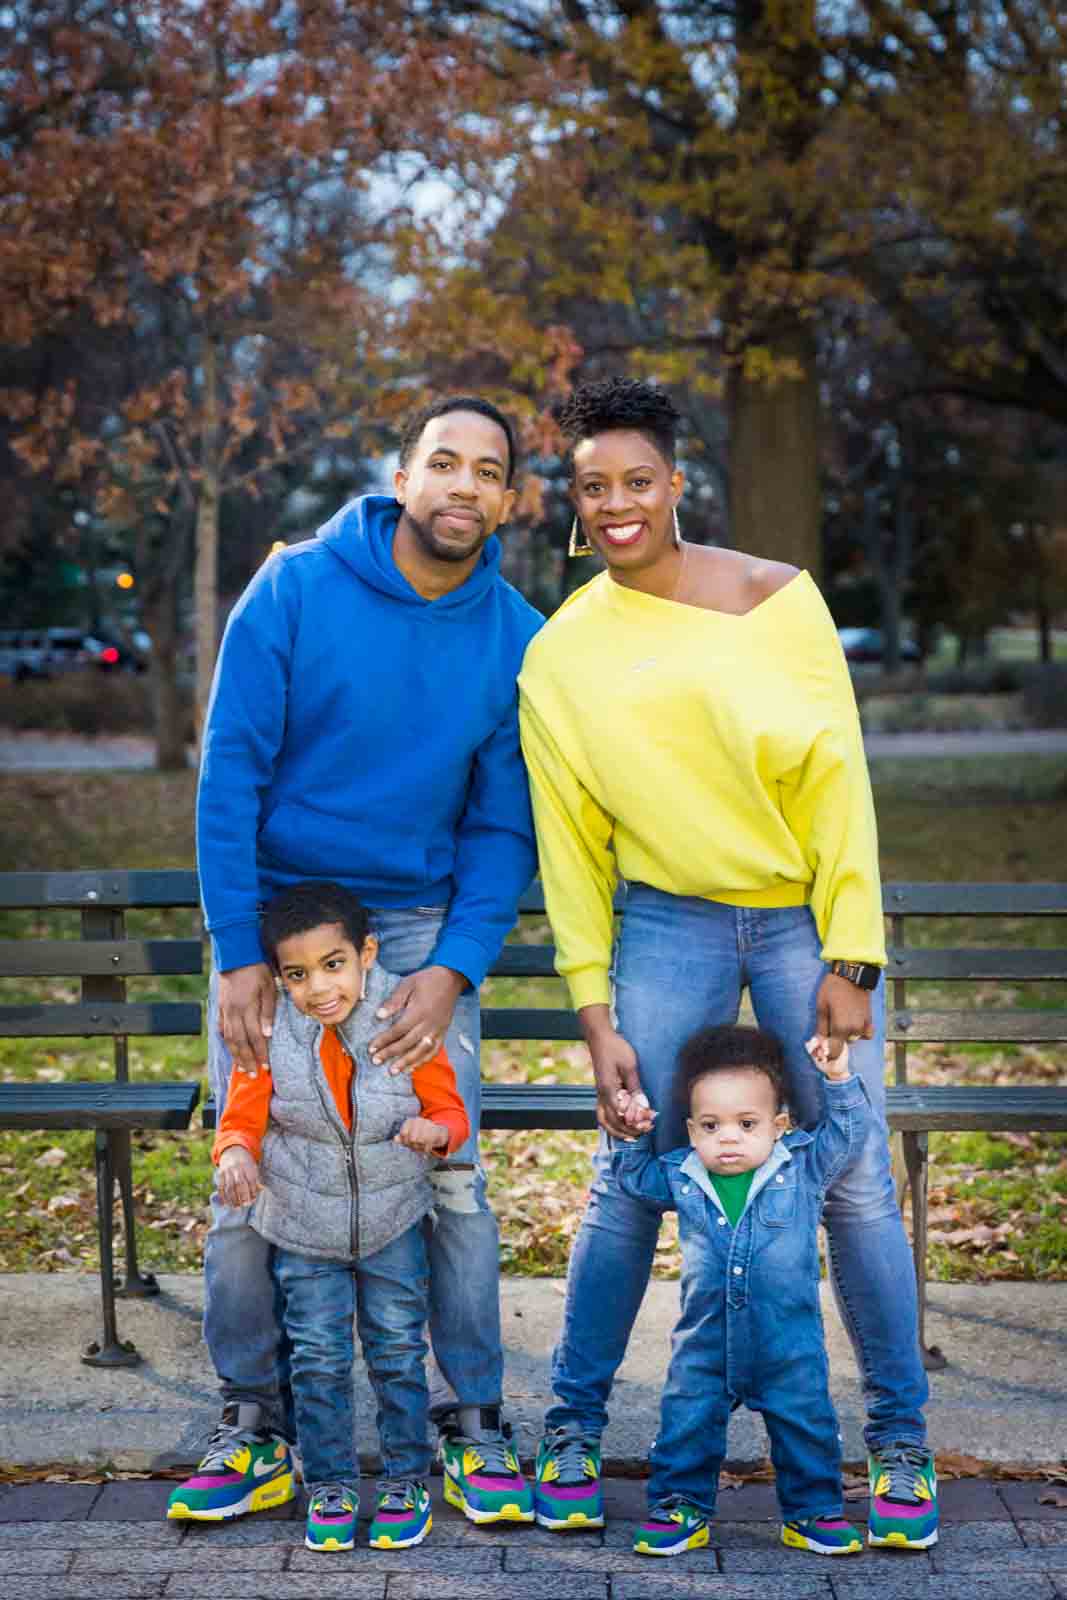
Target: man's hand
{"x": 247, "y": 998}
{"x": 238, "y": 1176}
{"x": 422, "y": 1135}
{"x": 422, "y": 1005}
{"x": 843, "y": 1013}
{"x": 614, "y": 1068}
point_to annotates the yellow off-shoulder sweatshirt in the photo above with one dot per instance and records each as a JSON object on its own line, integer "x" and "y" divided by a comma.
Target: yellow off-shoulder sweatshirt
{"x": 703, "y": 753}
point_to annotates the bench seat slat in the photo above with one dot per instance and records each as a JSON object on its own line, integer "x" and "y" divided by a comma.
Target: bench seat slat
{"x": 102, "y": 1017}
{"x": 112, "y": 958}
{"x": 97, "y": 1105}
{"x": 981, "y": 1024}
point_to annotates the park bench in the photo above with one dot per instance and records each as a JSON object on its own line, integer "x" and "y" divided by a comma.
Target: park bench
{"x": 102, "y": 958}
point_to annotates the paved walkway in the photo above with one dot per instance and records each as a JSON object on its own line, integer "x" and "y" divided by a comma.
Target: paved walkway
{"x": 85, "y": 1542}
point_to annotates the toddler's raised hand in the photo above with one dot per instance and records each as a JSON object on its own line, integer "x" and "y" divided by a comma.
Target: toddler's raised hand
{"x": 635, "y": 1111}
{"x": 238, "y": 1177}
{"x": 818, "y": 1048}
{"x": 421, "y": 1135}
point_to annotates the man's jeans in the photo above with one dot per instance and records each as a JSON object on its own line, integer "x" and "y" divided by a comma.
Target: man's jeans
{"x": 681, "y": 965}
{"x": 240, "y": 1325}
{"x": 388, "y": 1293}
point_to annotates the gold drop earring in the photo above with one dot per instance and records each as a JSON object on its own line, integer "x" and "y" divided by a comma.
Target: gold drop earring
{"x": 579, "y": 545}
{"x": 677, "y": 529}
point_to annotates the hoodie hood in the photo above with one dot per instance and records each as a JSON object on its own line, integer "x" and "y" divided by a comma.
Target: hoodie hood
{"x": 361, "y": 535}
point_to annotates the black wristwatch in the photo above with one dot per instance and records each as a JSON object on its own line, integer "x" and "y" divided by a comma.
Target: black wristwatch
{"x": 861, "y": 973}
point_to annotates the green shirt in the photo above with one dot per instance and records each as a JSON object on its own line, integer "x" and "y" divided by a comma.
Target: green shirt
{"x": 732, "y": 1189}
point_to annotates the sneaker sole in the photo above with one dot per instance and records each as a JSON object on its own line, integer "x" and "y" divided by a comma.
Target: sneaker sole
{"x": 797, "y": 1541}
{"x": 900, "y": 1541}
{"x": 387, "y": 1542}
{"x": 509, "y": 1513}
{"x": 696, "y": 1541}
{"x": 329, "y": 1545}
{"x": 574, "y": 1523}
{"x": 278, "y": 1492}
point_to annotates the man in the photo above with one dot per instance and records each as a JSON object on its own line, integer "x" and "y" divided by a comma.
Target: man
{"x": 363, "y": 728}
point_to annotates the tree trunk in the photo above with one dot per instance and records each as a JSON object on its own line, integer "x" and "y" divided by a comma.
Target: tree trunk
{"x": 775, "y": 499}
{"x": 161, "y": 621}
{"x": 207, "y": 540}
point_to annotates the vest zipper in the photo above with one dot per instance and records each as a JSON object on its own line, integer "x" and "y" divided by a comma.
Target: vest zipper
{"x": 347, "y": 1141}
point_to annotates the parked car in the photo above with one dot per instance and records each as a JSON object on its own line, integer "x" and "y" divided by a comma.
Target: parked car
{"x": 868, "y": 645}
{"x": 48, "y": 652}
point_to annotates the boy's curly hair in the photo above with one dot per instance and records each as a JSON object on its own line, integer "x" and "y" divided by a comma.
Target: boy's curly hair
{"x": 303, "y": 906}
{"x": 730, "y": 1049}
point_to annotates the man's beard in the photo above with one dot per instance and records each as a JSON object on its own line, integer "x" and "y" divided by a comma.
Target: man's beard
{"x": 439, "y": 550}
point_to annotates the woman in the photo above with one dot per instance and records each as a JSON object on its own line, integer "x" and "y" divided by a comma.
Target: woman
{"x": 689, "y": 727}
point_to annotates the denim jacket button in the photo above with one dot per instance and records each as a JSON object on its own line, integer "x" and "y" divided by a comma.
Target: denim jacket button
{"x": 685, "y": 1188}
{"x": 722, "y": 1222}
{"x": 737, "y": 1272}
{"x": 779, "y": 1179}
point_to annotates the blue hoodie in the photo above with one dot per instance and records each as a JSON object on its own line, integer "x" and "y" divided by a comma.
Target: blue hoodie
{"x": 361, "y": 733}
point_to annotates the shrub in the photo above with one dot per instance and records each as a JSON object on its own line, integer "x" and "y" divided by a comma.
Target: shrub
{"x": 1045, "y": 695}
{"x": 79, "y": 702}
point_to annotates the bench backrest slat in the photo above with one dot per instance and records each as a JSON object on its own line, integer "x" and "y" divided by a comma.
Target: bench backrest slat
{"x": 97, "y": 1018}
{"x": 976, "y": 965}
{"x": 31, "y": 891}
{"x": 982, "y": 1024}
{"x": 111, "y": 958}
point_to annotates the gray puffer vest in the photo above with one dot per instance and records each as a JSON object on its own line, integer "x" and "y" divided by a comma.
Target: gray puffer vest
{"x": 327, "y": 1192}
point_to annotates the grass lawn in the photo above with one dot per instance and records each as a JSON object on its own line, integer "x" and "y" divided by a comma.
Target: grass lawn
{"x": 998, "y": 1205}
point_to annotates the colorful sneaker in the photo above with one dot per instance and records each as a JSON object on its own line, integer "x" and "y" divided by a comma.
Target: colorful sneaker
{"x": 903, "y": 1497}
{"x": 567, "y": 1491}
{"x": 331, "y": 1523}
{"x": 672, "y": 1527}
{"x": 403, "y": 1516}
{"x": 247, "y": 1468}
{"x": 482, "y": 1476}
{"x": 827, "y": 1536}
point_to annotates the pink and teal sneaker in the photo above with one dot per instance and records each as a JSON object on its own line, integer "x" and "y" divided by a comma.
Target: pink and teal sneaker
{"x": 672, "y": 1527}
{"x": 903, "y": 1511}
{"x": 331, "y": 1523}
{"x": 246, "y": 1468}
{"x": 482, "y": 1477}
{"x": 827, "y": 1536}
{"x": 567, "y": 1491}
{"x": 403, "y": 1516}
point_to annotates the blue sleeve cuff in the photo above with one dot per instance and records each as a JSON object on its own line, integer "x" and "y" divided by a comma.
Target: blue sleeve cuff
{"x": 236, "y": 945}
{"x": 462, "y": 954}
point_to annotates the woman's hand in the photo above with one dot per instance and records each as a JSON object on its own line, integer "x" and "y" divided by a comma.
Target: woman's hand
{"x": 843, "y": 1013}
{"x": 421, "y": 1135}
{"x": 422, "y": 1005}
{"x": 238, "y": 1176}
{"x": 614, "y": 1068}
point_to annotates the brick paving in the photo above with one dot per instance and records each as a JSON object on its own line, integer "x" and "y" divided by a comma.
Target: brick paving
{"x": 88, "y": 1541}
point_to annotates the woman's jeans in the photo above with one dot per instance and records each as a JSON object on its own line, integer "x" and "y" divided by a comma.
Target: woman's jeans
{"x": 680, "y": 965}
{"x": 240, "y": 1326}
{"x": 316, "y": 1300}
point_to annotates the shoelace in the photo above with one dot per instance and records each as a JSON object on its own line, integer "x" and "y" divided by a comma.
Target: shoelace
{"x": 399, "y": 1496}
{"x": 663, "y": 1510}
{"x": 224, "y": 1445}
{"x": 571, "y": 1451}
{"x": 494, "y": 1454}
{"x": 902, "y": 1462}
{"x": 332, "y": 1501}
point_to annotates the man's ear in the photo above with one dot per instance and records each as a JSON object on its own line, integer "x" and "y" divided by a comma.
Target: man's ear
{"x": 510, "y": 498}
{"x": 400, "y": 482}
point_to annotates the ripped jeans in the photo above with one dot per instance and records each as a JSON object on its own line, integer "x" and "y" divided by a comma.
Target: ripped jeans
{"x": 240, "y": 1319}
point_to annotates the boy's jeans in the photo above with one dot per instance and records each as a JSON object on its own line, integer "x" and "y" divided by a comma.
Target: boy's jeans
{"x": 681, "y": 964}
{"x": 240, "y": 1325}
{"x": 388, "y": 1293}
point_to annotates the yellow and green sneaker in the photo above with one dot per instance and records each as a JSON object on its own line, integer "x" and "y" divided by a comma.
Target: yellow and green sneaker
{"x": 402, "y": 1517}
{"x": 246, "y": 1468}
{"x": 567, "y": 1491}
{"x": 482, "y": 1476}
{"x": 331, "y": 1522}
{"x": 672, "y": 1527}
{"x": 827, "y": 1536}
{"x": 903, "y": 1511}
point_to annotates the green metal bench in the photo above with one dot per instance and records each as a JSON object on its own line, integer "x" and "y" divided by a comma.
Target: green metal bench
{"x": 102, "y": 958}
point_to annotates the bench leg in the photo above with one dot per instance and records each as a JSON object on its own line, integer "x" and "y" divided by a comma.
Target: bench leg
{"x": 916, "y": 1149}
{"x": 138, "y": 1285}
{"x": 112, "y": 1352}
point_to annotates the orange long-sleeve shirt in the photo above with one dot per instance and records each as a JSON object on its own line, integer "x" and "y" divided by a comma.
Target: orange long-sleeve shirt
{"x": 244, "y": 1120}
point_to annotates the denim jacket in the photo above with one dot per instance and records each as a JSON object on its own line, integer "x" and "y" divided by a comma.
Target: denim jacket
{"x": 758, "y": 1281}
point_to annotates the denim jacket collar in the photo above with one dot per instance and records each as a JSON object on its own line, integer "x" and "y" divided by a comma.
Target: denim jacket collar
{"x": 695, "y": 1169}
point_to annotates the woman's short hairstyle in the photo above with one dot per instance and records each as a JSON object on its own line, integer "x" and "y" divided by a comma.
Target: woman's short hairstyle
{"x": 730, "y": 1049}
{"x": 610, "y": 403}
{"x": 303, "y": 906}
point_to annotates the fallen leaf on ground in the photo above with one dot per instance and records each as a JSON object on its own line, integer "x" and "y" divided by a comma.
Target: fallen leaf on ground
{"x": 51, "y": 1158}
